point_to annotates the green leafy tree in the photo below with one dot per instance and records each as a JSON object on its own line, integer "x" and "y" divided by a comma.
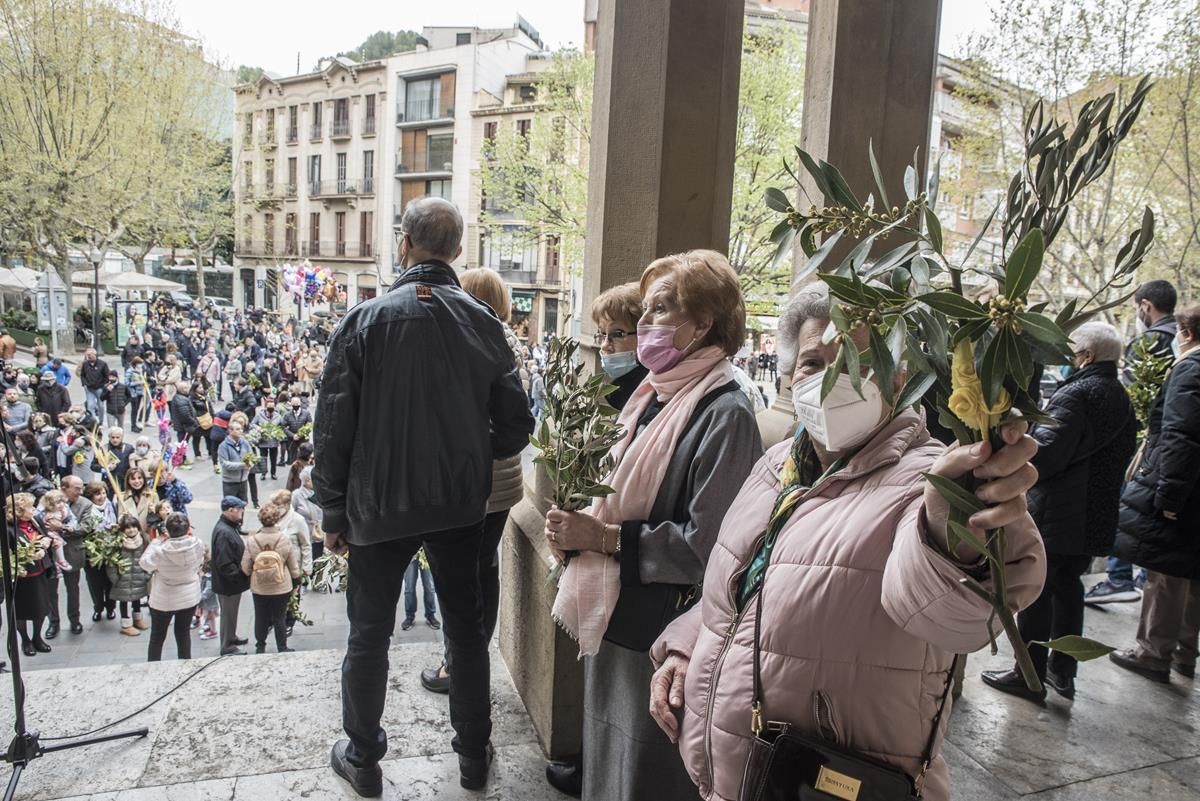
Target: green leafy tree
{"x": 248, "y": 74}
{"x": 382, "y": 44}
{"x": 540, "y": 179}
{"x": 1070, "y": 52}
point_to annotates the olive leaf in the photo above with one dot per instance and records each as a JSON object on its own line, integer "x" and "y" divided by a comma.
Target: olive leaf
{"x": 1073, "y": 645}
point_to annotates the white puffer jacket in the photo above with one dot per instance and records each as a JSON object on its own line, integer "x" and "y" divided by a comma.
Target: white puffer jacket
{"x": 174, "y": 568}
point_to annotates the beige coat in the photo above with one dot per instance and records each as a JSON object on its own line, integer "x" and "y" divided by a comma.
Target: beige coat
{"x": 858, "y": 607}
{"x": 271, "y": 538}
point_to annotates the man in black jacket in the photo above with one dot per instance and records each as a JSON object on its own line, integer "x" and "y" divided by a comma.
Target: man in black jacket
{"x": 183, "y": 416}
{"x": 1081, "y": 462}
{"x": 1154, "y": 302}
{"x": 228, "y": 580}
{"x": 420, "y": 393}
{"x": 93, "y": 372}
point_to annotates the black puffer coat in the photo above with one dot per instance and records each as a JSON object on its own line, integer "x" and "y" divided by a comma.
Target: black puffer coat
{"x": 1082, "y": 461}
{"x": 1166, "y": 481}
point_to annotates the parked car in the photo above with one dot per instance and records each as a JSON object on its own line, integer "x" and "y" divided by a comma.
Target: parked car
{"x": 220, "y": 304}
{"x": 178, "y": 299}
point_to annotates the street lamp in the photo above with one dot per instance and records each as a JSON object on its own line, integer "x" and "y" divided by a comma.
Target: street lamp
{"x": 95, "y": 256}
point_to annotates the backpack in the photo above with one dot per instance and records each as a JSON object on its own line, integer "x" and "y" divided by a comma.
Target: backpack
{"x": 268, "y": 567}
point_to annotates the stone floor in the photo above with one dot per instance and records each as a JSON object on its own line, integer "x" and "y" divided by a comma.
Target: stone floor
{"x": 259, "y": 729}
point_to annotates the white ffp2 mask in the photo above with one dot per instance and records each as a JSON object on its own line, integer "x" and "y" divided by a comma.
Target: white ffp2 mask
{"x": 843, "y": 420}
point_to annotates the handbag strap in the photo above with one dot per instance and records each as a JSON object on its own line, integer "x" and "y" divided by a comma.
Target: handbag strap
{"x": 756, "y": 708}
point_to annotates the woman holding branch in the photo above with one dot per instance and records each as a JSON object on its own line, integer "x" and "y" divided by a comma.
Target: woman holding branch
{"x": 640, "y": 553}
{"x": 865, "y": 606}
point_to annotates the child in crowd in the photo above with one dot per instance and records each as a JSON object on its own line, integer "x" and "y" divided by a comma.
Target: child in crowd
{"x": 130, "y": 584}
{"x": 175, "y": 491}
{"x": 54, "y": 510}
{"x": 207, "y": 611}
{"x": 157, "y": 519}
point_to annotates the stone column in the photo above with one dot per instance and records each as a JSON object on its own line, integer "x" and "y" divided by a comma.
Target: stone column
{"x": 661, "y": 179}
{"x": 870, "y": 72}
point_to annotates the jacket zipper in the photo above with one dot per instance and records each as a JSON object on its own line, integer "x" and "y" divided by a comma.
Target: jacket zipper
{"x": 731, "y": 594}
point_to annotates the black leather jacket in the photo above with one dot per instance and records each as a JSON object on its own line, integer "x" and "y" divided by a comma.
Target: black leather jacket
{"x": 419, "y": 395}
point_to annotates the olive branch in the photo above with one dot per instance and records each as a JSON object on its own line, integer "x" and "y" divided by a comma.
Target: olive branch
{"x": 972, "y": 354}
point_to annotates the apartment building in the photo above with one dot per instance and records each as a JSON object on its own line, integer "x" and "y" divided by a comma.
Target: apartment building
{"x": 307, "y": 159}
{"x": 530, "y": 263}
{"x": 434, "y": 86}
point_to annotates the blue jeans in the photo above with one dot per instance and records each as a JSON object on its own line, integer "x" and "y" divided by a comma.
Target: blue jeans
{"x": 94, "y": 403}
{"x": 410, "y": 591}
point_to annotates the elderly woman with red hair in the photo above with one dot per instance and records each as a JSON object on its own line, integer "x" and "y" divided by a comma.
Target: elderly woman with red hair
{"x": 638, "y": 555}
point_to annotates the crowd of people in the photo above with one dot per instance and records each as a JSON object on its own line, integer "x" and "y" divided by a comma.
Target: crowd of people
{"x": 420, "y": 405}
{"x": 665, "y": 585}
{"x": 235, "y": 389}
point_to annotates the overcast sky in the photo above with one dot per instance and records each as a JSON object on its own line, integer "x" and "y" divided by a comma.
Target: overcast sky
{"x": 270, "y": 33}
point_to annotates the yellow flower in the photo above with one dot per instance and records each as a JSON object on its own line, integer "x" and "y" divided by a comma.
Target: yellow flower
{"x": 966, "y": 398}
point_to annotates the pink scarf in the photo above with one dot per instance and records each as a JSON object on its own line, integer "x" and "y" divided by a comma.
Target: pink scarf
{"x": 588, "y": 590}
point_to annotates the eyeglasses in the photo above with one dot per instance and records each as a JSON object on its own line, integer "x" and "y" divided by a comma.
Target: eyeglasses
{"x": 615, "y": 336}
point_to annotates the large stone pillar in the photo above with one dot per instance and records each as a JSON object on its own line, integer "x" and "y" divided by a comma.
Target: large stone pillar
{"x": 869, "y": 77}
{"x": 661, "y": 178}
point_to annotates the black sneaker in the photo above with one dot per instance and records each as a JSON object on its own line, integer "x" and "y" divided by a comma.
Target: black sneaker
{"x": 1187, "y": 671}
{"x": 366, "y": 781}
{"x": 473, "y": 771}
{"x": 1129, "y": 660}
{"x": 1013, "y": 683}
{"x": 240, "y": 641}
{"x": 1062, "y": 685}
{"x": 434, "y": 681}
{"x": 406, "y": 624}
{"x": 433, "y": 622}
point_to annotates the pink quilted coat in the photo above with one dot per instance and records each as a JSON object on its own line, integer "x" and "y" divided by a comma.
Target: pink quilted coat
{"x": 857, "y": 607}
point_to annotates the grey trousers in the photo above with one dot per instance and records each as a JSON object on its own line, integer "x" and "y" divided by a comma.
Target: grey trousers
{"x": 229, "y": 614}
{"x": 1170, "y": 624}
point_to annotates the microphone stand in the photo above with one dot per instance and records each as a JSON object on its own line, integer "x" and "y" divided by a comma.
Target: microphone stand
{"x": 26, "y": 745}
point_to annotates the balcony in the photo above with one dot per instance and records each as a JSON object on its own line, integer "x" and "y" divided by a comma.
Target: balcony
{"x": 290, "y": 190}
{"x": 337, "y": 188}
{"x": 368, "y": 186}
{"x": 369, "y": 126}
{"x": 339, "y": 129}
{"x": 425, "y": 169}
{"x": 265, "y": 249}
{"x": 293, "y": 135}
{"x": 314, "y": 133}
{"x": 350, "y": 251}
{"x": 518, "y": 276}
{"x": 423, "y": 113}
{"x": 267, "y": 139}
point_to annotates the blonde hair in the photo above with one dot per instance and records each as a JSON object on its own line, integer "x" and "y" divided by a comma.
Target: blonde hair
{"x": 22, "y": 502}
{"x": 706, "y": 287}
{"x": 488, "y": 287}
{"x": 54, "y": 499}
{"x": 240, "y": 417}
{"x": 282, "y": 498}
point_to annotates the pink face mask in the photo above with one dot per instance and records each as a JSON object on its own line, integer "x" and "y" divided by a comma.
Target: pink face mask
{"x": 656, "y": 347}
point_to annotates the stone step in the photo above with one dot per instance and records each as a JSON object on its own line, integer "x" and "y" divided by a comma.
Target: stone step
{"x": 258, "y": 727}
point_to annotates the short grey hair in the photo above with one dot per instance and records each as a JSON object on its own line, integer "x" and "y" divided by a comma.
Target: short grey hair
{"x": 433, "y": 225}
{"x": 811, "y": 302}
{"x": 1100, "y": 338}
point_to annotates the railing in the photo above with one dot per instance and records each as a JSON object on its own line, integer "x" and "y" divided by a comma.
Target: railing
{"x": 423, "y": 167}
{"x": 267, "y": 138}
{"x": 293, "y": 135}
{"x": 338, "y": 250}
{"x": 343, "y": 186}
{"x": 368, "y": 186}
{"x": 289, "y": 190}
{"x": 315, "y": 132}
{"x": 418, "y": 110}
{"x": 518, "y": 276}
{"x": 339, "y": 129}
{"x": 369, "y": 126}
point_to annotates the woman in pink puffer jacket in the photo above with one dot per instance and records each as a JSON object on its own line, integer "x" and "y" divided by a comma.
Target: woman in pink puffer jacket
{"x": 863, "y": 609}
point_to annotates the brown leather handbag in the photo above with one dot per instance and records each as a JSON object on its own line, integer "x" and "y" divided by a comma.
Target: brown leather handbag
{"x": 787, "y": 766}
